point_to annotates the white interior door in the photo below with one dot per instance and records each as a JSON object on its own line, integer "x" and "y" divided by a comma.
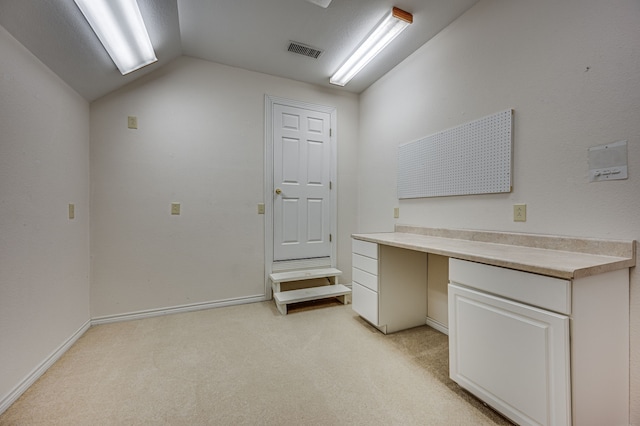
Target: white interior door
{"x": 301, "y": 180}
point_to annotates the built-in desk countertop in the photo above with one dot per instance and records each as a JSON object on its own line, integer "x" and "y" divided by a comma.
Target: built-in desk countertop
{"x": 561, "y": 257}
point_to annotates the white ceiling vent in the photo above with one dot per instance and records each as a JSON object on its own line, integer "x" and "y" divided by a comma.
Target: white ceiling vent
{"x": 305, "y": 50}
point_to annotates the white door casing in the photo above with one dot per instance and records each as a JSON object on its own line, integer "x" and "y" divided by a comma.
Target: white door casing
{"x": 300, "y": 158}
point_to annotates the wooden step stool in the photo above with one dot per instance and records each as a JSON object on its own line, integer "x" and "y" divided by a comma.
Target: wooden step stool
{"x": 283, "y": 298}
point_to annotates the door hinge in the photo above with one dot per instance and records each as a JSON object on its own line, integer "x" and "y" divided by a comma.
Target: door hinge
{"x": 330, "y": 132}
{"x": 330, "y": 185}
{"x": 330, "y": 238}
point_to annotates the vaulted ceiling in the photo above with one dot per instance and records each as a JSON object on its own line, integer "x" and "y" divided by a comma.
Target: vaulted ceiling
{"x": 249, "y": 34}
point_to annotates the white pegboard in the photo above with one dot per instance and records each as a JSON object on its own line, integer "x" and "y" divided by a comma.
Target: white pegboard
{"x": 473, "y": 158}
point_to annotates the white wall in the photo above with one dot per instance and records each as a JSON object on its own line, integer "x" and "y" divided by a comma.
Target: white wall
{"x": 200, "y": 142}
{"x": 44, "y": 256}
{"x": 571, "y": 72}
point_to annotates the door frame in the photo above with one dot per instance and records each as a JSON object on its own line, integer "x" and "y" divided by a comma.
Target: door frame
{"x": 269, "y": 102}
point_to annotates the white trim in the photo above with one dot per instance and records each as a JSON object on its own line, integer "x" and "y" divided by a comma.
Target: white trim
{"x": 288, "y": 265}
{"x": 438, "y": 326}
{"x": 177, "y": 309}
{"x": 35, "y": 374}
{"x": 269, "y": 102}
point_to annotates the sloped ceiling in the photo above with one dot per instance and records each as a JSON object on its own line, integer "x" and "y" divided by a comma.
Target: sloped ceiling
{"x": 57, "y": 34}
{"x": 249, "y": 34}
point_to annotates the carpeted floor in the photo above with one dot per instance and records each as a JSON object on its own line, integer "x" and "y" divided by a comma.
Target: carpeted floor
{"x": 248, "y": 365}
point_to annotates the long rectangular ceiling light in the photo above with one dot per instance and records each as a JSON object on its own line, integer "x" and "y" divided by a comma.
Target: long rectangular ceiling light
{"x": 388, "y": 29}
{"x": 120, "y": 28}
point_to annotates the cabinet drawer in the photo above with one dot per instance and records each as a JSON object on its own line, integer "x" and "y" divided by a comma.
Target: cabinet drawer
{"x": 365, "y": 303}
{"x": 367, "y": 264}
{"x": 365, "y": 248}
{"x": 365, "y": 279}
{"x": 545, "y": 292}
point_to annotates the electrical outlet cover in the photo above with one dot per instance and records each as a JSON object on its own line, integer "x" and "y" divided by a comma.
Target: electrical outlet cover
{"x": 519, "y": 212}
{"x": 132, "y": 122}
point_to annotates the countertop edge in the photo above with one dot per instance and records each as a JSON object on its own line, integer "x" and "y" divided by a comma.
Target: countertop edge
{"x": 585, "y": 264}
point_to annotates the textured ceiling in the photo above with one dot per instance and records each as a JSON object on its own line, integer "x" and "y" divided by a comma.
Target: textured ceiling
{"x": 57, "y": 34}
{"x": 250, "y": 34}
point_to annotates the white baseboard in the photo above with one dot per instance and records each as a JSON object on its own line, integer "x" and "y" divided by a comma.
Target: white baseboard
{"x": 35, "y": 374}
{"x": 176, "y": 309}
{"x": 438, "y": 326}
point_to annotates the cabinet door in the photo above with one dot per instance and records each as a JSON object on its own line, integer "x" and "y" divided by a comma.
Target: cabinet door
{"x": 512, "y": 356}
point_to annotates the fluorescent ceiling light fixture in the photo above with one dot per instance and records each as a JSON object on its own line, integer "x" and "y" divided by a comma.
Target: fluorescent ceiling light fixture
{"x": 120, "y": 28}
{"x": 321, "y": 3}
{"x": 388, "y": 29}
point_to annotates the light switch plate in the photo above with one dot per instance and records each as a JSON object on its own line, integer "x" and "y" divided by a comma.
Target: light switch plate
{"x": 175, "y": 208}
{"x": 260, "y": 208}
{"x": 72, "y": 211}
{"x": 396, "y": 212}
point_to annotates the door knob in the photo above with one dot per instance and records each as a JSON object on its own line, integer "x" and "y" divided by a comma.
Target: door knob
{"x": 278, "y": 191}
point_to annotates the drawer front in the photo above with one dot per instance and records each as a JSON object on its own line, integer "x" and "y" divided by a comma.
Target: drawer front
{"x": 365, "y": 279}
{"x": 545, "y": 292}
{"x": 367, "y": 264}
{"x": 365, "y": 303}
{"x": 365, "y": 248}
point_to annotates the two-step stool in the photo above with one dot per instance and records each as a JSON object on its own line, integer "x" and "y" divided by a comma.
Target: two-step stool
{"x": 283, "y": 298}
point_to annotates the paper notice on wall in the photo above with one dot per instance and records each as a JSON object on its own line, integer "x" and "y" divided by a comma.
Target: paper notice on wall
{"x": 608, "y": 162}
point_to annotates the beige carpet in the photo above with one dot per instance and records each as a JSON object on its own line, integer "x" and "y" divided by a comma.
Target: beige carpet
{"x": 248, "y": 365}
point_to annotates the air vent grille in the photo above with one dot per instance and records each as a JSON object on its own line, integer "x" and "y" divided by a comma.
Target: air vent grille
{"x": 305, "y": 50}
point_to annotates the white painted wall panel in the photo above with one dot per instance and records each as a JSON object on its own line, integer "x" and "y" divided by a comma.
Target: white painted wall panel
{"x": 44, "y": 256}
{"x": 200, "y": 141}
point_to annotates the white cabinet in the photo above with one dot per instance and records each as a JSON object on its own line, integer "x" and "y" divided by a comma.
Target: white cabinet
{"x": 364, "y": 296}
{"x": 538, "y": 324}
{"x": 512, "y": 356}
{"x": 389, "y": 287}
{"x": 365, "y": 302}
{"x": 541, "y": 350}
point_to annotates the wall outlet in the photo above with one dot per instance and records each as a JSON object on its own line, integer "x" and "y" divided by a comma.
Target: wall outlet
{"x": 175, "y": 208}
{"x": 519, "y": 212}
{"x": 132, "y": 122}
{"x": 260, "y": 208}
